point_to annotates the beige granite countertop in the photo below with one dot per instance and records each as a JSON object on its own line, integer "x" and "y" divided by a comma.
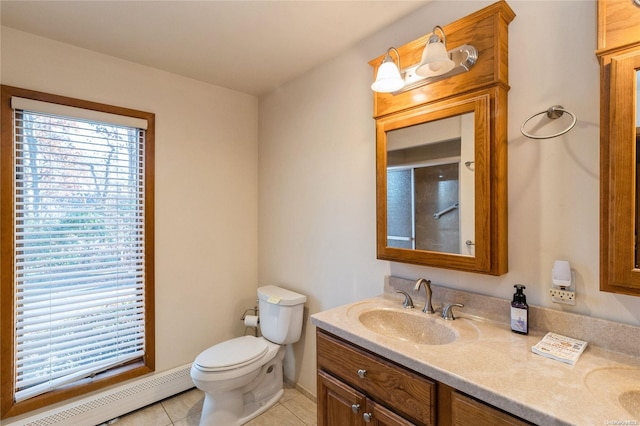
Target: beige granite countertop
{"x": 495, "y": 365}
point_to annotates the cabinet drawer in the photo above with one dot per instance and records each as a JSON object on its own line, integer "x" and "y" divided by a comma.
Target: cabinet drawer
{"x": 406, "y": 392}
{"x": 466, "y": 411}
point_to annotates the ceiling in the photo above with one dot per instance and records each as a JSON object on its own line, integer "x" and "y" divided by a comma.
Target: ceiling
{"x": 249, "y": 46}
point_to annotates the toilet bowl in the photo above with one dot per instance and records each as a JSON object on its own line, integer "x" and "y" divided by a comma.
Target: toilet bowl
{"x": 243, "y": 377}
{"x": 239, "y": 377}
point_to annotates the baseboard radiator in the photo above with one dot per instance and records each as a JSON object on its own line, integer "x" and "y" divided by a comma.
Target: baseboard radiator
{"x": 106, "y": 405}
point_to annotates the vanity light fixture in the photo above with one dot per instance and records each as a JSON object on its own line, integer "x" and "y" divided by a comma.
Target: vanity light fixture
{"x": 388, "y": 79}
{"x": 435, "y": 58}
{"x": 437, "y": 63}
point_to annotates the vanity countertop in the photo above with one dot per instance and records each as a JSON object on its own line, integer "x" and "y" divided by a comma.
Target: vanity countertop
{"x": 497, "y": 366}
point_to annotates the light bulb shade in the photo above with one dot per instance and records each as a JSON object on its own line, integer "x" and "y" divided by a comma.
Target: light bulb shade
{"x": 435, "y": 60}
{"x": 388, "y": 78}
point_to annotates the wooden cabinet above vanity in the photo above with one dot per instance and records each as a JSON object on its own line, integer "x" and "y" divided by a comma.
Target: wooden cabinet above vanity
{"x": 462, "y": 224}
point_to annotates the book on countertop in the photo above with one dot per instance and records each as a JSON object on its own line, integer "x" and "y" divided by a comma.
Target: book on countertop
{"x": 559, "y": 347}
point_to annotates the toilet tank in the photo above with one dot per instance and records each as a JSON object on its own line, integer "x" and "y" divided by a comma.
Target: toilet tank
{"x": 280, "y": 314}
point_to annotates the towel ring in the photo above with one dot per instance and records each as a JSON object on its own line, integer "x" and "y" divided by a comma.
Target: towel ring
{"x": 553, "y": 112}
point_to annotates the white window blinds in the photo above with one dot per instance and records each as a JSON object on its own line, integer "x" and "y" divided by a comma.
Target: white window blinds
{"x": 78, "y": 247}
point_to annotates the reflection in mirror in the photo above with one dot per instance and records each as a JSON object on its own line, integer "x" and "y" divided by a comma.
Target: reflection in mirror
{"x": 431, "y": 186}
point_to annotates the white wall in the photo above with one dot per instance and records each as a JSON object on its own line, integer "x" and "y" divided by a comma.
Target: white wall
{"x": 317, "y": 171}
{"x": 206, "y": 166}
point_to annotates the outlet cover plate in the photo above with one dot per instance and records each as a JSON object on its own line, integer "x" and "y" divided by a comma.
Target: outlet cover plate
{"x": 563, "y": 296}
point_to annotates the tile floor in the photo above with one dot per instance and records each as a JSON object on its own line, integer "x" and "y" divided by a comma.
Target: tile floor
{"x": 293, "y": 409}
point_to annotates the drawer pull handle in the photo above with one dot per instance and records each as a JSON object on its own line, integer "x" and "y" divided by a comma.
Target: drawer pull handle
{"x": 362, "y": 373}
{"x": 367, "y": 417}
{"x": 355, "y": 408}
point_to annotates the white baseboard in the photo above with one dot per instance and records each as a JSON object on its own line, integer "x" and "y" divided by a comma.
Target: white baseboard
{"x": 106, "y": 405}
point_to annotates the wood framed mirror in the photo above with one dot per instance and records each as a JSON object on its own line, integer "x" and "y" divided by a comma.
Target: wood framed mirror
{"x": 433, "y": 184}
{"x": 619, "y": 55}
{"x": 441, "y": 156}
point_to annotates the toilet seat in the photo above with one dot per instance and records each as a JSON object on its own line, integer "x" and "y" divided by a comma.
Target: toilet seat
{"x": 231, "y": 354}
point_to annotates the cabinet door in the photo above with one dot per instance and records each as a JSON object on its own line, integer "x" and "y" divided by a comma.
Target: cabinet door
{"x": 381, "y": 416}
{"x": 338, "y": 404}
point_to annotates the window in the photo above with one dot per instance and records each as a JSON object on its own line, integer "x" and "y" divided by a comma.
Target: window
{"x": 78, "y": 285}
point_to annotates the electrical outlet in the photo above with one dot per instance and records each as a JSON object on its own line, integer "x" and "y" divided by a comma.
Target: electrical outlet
{"x": 563, "y": 296}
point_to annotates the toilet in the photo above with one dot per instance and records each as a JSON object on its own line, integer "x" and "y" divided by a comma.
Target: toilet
{"x": 242, "y": 377}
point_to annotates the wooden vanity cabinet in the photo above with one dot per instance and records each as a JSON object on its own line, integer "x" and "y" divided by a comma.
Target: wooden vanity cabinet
{"x": 358, "y": 388}
{"x": 387, "y": 394}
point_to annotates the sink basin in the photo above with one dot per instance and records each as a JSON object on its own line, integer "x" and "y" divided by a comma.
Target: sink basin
{"x": 630, "y": 401}
{"x": 618, "y": 385}
{"x": 407, "y": 327}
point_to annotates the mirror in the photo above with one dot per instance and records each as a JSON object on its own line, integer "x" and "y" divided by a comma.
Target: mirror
{"x": 620, "y": 198}
{"x": 434, "y": 180}
{"x": 430, "y": 186}
{"x": 619, "y": 56}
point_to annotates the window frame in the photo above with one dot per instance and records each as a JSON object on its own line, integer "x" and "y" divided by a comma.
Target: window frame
{"x": 8, "y": 407}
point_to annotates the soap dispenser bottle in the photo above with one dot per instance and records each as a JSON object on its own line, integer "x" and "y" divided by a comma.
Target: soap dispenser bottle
{"x": 519, "y": 311}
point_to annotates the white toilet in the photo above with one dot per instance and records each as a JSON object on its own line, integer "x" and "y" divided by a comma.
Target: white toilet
{"x": 242, "y": 377}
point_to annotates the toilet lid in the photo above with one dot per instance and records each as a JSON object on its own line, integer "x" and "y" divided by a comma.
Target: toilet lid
{"x": 232, "y": 353}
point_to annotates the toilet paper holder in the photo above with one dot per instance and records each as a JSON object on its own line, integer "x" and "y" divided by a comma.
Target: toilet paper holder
{"x": 251, "y": 312}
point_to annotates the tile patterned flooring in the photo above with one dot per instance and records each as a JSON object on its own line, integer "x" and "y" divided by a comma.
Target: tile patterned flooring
{"x": 293, "y": 409}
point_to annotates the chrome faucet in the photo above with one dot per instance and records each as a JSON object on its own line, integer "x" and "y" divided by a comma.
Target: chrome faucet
{"x": 447, "y": 312}
{"x": 408, "y": 302}
{"x": 428, "y": 309}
